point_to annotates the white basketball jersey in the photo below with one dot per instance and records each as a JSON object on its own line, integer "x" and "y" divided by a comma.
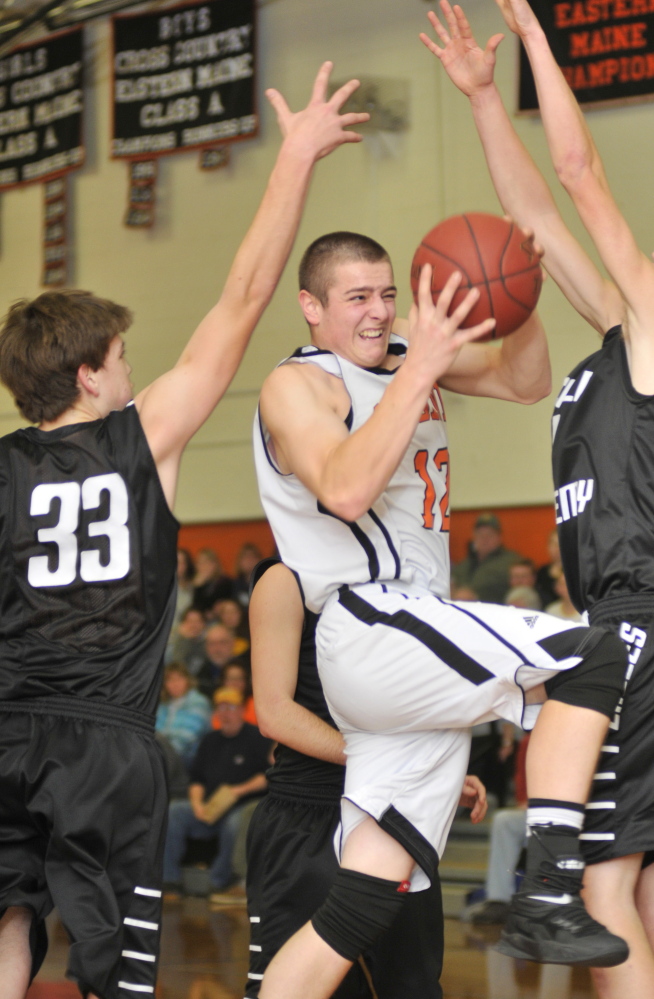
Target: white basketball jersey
{"x": 405, "y": 534}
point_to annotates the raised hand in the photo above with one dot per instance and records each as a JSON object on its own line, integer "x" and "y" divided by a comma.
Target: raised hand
{"x": 469, "y": 67}
{"x": 435, "y": 337}
{"x": 518, "y": 15}
{"x": 319, "y": 127}
{"x": 473, "y": 796}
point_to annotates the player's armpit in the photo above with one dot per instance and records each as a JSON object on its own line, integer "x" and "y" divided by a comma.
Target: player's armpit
{"x": 304, "y": 410}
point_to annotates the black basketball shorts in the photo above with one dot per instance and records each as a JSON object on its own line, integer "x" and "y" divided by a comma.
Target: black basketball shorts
{"x": 291, "y": 865}
{"x": 83, "y": 809}
{"x": 620, "y": 811}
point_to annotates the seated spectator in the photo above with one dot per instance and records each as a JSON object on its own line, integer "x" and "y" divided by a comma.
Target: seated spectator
{"x": 185, "y": 575}
{"x": 219, "y": 649}
{"x": 508, "y": 837}
{"x": 231, "y": 614}
{"x": 248, "y": 557}
{"x": 187, "y": 642}
{"x": 486, "y": 569}
{"x": 563, "y": 607}
{"x": 523, "y": 573}
{"x": 233, "y": 759}
{"x": 548, "y": 574}
{"x": 237, "y": 677}
{"x": 523, "y": 596}
{"x": 184, "y": 715}
{"x": 210, "y": 583}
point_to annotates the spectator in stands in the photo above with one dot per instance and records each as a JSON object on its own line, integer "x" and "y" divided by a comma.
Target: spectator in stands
{"x": 237, "y": 677}
{"x": 231, "y": 614}
{"x": 522, "y": 573}
{"x": 563, "y": 607}
{"x": 232, "y": 760}
{"x": 219, "y": 649}
{"x": 486, "y": 569}
{"x": 184, "y": 715}
{"x": 548, "y": 574}
{"x": 507, "y": 839}
{"x": 523, "y": 596}
{"x": 185, "y": 577}
{"x": 248, "y": 556}
{"x": 210, "y": 583}
{"x": 187, "y": 641}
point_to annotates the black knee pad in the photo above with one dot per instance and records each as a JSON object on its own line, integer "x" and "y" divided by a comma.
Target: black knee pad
{"x": 358, "y": 908}
{"x": 598, "y": 681}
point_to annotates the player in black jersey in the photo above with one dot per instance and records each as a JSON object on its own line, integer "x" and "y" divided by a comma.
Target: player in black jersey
{"x": 291, "y": 856}
{"x": 87, "y": 590}
{"x": 603, "y": 454}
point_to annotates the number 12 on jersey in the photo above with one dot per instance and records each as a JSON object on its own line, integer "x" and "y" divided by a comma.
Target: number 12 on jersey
{"x": 72, "y": 497}
{"x": 422, "y": 466}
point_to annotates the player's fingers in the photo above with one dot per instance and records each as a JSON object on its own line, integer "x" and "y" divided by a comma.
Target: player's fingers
{"x": 425, "y": 299}
{"x": 354, "y": 118}
{"x": 463, "y": 25}
{"x": 447, "y": 294}
{"x": 475, "y": 332}
{"x": 493, "y": 44}
{"x": 430, "y": 44}
{"x": 343, "y": 94}
{"x": 321, "y": 81}
{"x": 450, "y": 18}
{"x": 279, "y": 104}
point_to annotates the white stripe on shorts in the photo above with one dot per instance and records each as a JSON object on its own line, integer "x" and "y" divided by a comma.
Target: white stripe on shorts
{"x": 255, "y": 978}
{"x": 610, "y": 749}
{"x": 255, "y": 919}
{"x": 590, "y": 836}
{"x": 137, "y": 955}
{"x": 152, "y": 892}
{"x": 136, "y": 988}
{"x": 141, "y": 923}
{"x": 255, "y": 947}
{"x": 606, "y": 775}
{"x": 601, "y": 804}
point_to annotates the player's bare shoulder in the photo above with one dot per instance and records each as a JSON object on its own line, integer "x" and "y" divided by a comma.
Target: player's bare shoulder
{"x": 302, "y": 384}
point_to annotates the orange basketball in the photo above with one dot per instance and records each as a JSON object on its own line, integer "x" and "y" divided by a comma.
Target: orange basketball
{"x": 494, "y": 256}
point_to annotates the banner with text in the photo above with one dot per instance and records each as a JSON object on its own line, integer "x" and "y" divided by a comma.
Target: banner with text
{"x": 41, "y": 101}
{"x": 604, "y": 47}
{"x": 184, "y": 78}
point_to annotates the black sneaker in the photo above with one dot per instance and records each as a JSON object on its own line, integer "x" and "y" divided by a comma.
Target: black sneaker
{"x": 556, "y": 929}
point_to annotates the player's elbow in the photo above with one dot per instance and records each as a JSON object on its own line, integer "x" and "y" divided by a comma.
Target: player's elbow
{"x": 536, "y": 391}
{"x": 346, "y": 504}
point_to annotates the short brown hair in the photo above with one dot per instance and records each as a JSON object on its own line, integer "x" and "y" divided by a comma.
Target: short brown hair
{"x": 44, "y": 342}
{"x": 319, "y": 259}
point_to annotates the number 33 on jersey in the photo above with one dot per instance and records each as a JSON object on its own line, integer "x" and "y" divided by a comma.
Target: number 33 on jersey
{"x": 68, "y": 552}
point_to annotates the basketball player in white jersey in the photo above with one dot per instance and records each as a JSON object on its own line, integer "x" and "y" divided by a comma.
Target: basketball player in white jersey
{"x": 603, "y": 421}
{"x": 352, "y": 459}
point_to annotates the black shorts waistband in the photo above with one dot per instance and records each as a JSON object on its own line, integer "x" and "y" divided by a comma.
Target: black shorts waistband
{"x": 635, "y": 607}
{"x": 74, "y": 707}
{"x": 323, "y": 796}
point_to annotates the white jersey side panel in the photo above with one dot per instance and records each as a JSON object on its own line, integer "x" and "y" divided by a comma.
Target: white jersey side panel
{"x": 405, "y": 535}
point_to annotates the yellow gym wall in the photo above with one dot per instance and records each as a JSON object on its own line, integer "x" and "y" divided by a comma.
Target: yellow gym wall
{"x": 170, "y": 276}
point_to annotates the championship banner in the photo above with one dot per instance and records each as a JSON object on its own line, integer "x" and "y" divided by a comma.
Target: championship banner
{"x": 605, "y": 49}
{"x": 41, "y": 102}
{"x": 183, "y": 78}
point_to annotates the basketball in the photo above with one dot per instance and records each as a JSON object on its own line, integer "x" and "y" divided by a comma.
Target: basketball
{"x": 494, "y": 256}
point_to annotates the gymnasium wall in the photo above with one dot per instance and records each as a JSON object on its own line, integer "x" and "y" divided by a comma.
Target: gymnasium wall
{"x": 393, "y": 190}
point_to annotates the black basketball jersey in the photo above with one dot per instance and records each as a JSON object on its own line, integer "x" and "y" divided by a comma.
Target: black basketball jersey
{"x": 603, "y": 462}
{"x": 293, "y": 768}
{"x": 87, "y": 565}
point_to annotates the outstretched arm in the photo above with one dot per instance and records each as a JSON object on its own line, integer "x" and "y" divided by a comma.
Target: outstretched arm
{"x": 520, "y": 186}
{"x": 580, "y": 170}
{"x": 174, "y": 407}
{"x": 276, "y": 620}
